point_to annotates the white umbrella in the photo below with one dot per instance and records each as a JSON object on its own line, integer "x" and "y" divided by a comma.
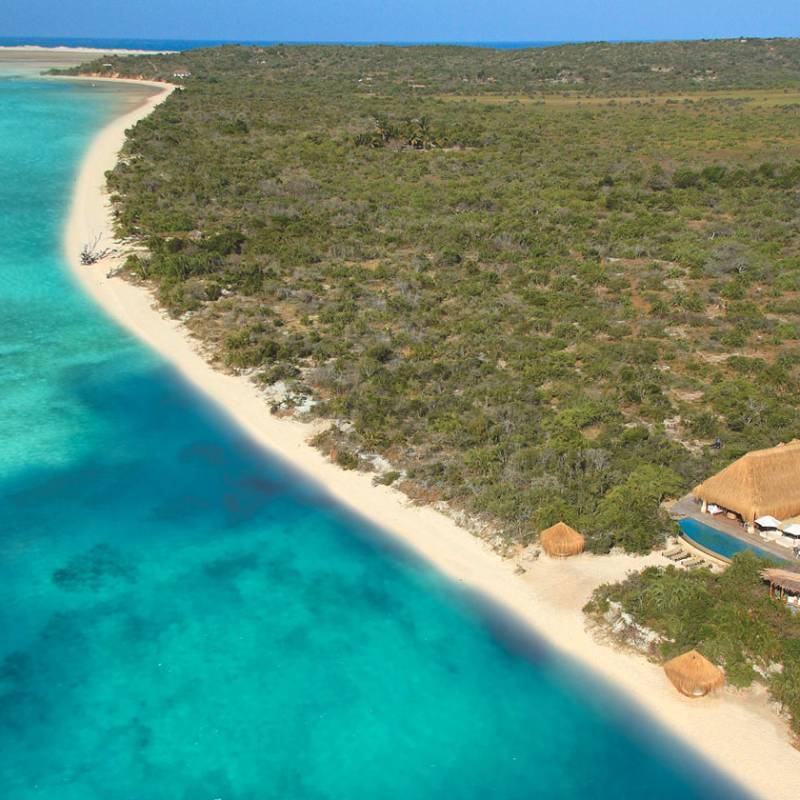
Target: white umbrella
{"x": 792, "y": 530}
{"x": 768, "y": 522}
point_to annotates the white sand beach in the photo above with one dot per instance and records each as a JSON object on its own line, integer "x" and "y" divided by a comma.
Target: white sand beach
{"x": 32, "y": 59}
{"x": 740, "y": 733}
{"x": 85, "y": 51}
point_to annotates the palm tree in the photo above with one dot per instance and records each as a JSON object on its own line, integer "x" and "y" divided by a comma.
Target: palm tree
{"x": 383, "y": 127}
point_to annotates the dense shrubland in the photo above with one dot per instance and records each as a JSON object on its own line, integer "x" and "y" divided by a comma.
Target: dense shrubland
{"x": 537, "y": 289}
{"x": 729, "y": 617}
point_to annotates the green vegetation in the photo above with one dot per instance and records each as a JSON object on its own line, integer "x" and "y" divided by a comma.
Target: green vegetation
{"x": 540, "y": 283}
{"x": 728, "y": 617}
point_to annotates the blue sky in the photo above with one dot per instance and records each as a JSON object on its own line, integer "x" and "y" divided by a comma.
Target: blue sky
{"x": 400, "y": 20}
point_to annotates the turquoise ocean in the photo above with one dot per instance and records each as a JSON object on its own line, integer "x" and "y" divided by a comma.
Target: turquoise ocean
{"x": 183, "y": 617}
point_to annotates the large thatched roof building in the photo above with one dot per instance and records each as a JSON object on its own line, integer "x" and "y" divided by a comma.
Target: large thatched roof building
{"x": 561, "y": 541}
{"x": 761, "y": 483}
{"x": 693, "y": 674}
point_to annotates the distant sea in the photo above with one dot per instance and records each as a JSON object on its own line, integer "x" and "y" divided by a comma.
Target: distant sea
{"x": 184, "y": 617}
{"x": 193, "y": 44}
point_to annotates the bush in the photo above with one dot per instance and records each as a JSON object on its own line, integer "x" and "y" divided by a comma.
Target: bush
{"x": 346, "y": 459}
{"x": 631, "y": 511}
{"x": 729, "y": 617}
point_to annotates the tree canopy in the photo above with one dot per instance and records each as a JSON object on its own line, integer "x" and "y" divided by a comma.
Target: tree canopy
{"x": 540, "y": 283}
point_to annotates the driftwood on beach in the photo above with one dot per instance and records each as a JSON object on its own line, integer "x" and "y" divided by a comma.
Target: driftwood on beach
{"x": 91, "y": 252}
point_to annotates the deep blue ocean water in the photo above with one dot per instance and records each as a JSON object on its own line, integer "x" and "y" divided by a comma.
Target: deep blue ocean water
{"x": 184, "y": 618}
{"x": 191, "y": 44}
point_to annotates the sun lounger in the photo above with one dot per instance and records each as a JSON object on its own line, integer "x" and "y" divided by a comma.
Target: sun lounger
{"x": 693, "y": 563}
{"x": 673, "y": 552}
{"x": 679, "y": 556}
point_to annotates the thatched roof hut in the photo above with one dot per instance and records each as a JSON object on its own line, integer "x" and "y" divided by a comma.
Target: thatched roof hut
{"x": 761, "y": 483}
{"x": 693, "y": 674}
{"x": 782, "y": 579}
{"x": 561, "y": 541}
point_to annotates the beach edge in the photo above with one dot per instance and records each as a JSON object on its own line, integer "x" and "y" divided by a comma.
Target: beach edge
{"x": 739, "y": 733}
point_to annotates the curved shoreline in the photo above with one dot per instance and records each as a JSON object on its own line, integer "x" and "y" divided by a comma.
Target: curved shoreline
{"x": 739, "y": 733}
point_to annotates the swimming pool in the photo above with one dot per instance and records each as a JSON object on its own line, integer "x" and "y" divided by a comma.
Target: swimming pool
{"x": 720, "y": 543}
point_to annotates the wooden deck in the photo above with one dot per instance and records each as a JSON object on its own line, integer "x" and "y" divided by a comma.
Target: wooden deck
{"x": 688, "y": 507}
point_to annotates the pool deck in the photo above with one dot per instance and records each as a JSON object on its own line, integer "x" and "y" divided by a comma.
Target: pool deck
{"x": 687, "y": 506}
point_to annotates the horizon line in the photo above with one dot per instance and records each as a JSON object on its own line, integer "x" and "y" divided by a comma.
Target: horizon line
{"x": 393, "y": 43}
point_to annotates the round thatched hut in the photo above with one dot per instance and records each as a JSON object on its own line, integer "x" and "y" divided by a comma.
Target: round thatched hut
{"x": 693, "y": 674}
{"x": 561, "y": 541}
